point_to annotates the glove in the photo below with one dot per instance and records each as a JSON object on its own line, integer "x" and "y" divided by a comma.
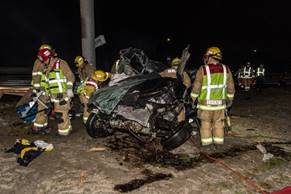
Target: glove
{"x": 70, "y": 93}
{"x": 229, "y": 103}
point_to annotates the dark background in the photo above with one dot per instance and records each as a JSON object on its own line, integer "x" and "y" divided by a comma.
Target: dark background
{"x": 236, "y": 27}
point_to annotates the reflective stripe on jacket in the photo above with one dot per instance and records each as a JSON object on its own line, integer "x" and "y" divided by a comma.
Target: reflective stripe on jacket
{"x": 260, "y": 71}
{"x": 56, "y": 80}
{"x": 213, "y": 95}
{"x": 87, "y": 88}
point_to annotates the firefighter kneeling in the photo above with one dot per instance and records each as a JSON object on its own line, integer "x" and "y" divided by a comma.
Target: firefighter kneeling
{"x": 53, "y": 77}
{"x": 90, "y": 85}
{"x": 214, "y": 88}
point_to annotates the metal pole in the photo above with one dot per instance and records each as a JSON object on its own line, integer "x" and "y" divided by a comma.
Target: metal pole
{"x": 88, "y": 30}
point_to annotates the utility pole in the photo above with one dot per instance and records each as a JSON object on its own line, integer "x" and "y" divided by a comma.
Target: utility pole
{"x": 88, "y": 30}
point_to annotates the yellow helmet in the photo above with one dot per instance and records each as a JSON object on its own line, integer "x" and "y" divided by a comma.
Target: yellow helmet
{"x": 214, "y": 52}
{"x": 45, "y": 46}
{"x": 176, "y": 61}
{"x": 79, "y": 60}
{"x": 101, "y": 76}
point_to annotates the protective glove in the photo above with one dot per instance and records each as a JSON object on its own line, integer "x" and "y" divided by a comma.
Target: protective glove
{"x": 70, "y": 93}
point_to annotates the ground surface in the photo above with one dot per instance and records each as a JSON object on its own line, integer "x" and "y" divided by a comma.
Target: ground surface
{"x": 71, "y": 168}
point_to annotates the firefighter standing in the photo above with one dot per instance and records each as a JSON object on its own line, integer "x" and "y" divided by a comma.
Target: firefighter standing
{"x": 260, "y": 76}
{"x": 248, "y": 76}
{"x": 214, "y": 89}
{"x": 53, "y": 77}
{"x": 88, "y": 87}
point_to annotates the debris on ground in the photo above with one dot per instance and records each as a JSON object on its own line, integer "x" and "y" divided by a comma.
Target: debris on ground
{"x": 27, "y": 151}
{"x": 267, "y": 156}
{"x": 137, "y": 183}
{"x": 97, "y": 149}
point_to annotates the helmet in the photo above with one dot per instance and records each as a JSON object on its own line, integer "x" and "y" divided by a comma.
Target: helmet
{"x": 101, "y": 76}
{"x": 44, "y": 54}
{"x": 176, "y": 61}
{"x": 79, "y": 60}
{"x": 45, "y": 46}
{"x": 214, "y": 52}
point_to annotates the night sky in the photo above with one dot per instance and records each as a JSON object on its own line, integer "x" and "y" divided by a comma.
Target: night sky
{"x": 237, "y": 27}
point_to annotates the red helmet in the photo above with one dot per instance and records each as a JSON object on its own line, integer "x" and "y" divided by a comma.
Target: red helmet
{"x": 44, "y": 54}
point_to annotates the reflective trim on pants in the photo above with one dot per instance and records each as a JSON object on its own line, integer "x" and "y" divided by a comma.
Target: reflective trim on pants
{"x": 85, "y": 119}
{"x": 218, "y": 140}
{"x": 205, "y": 107}
{"x": 206, "y": 141}
{"x": 65, "y": 131}
{"x": 40, "y": 125}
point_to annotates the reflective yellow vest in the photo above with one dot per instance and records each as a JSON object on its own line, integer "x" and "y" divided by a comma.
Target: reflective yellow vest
{"x": 57, "y": 82}
{"x": 213, "y": 91}
{"x": 43, "y": 85}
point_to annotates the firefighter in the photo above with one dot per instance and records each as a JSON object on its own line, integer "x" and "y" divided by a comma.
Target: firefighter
{"x": 240, "y": 76}
{"x": 53, "y": 77}
{"x": 248, "y": 76}
{"x": 214, "y": 89}
{"x": 89, "y": 86}
{"x": 172, "y": 72}
{"x": 260, "y": 77}
{"x": 84, "y": 68}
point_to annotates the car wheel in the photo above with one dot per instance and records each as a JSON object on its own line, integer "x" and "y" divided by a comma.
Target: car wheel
{"x": 178, "y": 138}
{"x": 96, "y": 127}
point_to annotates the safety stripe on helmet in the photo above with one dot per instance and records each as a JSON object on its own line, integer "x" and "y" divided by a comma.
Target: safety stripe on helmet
{"x": 204, "y": 107}
{"x": 218, "y": 139}
{"x": 206, "y": 141}
{"x": 40, "y": 125}
{"x": 36, "y": 73}
{"x": 193, "y": 95}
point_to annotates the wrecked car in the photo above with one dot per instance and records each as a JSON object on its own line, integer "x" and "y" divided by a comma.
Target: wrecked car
{"x": 145, "y": 105}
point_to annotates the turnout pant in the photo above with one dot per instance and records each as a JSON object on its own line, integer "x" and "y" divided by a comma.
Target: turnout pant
{"x": 212, "y": 126}
{"x": 61, "y": 113}
{"x": 84, "y": 102}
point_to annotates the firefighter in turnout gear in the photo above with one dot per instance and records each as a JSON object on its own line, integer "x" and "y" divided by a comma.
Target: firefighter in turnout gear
{"x": 53, "y": 77}
{"x": 88, "y": 87}
{"x": 248, "y": 76}
{"x": 85, "y": 70}
{"x": 172, "y": 72}
{"x": 214, "y": 89}
{"x": 260, "y": 77}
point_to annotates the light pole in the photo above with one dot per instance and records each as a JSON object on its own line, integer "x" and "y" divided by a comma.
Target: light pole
{"x": 88, "y": 30}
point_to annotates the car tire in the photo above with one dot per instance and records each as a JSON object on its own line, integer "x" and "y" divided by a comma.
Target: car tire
{"x": 96, "y": 127}
{"x": 178, "y": 138}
